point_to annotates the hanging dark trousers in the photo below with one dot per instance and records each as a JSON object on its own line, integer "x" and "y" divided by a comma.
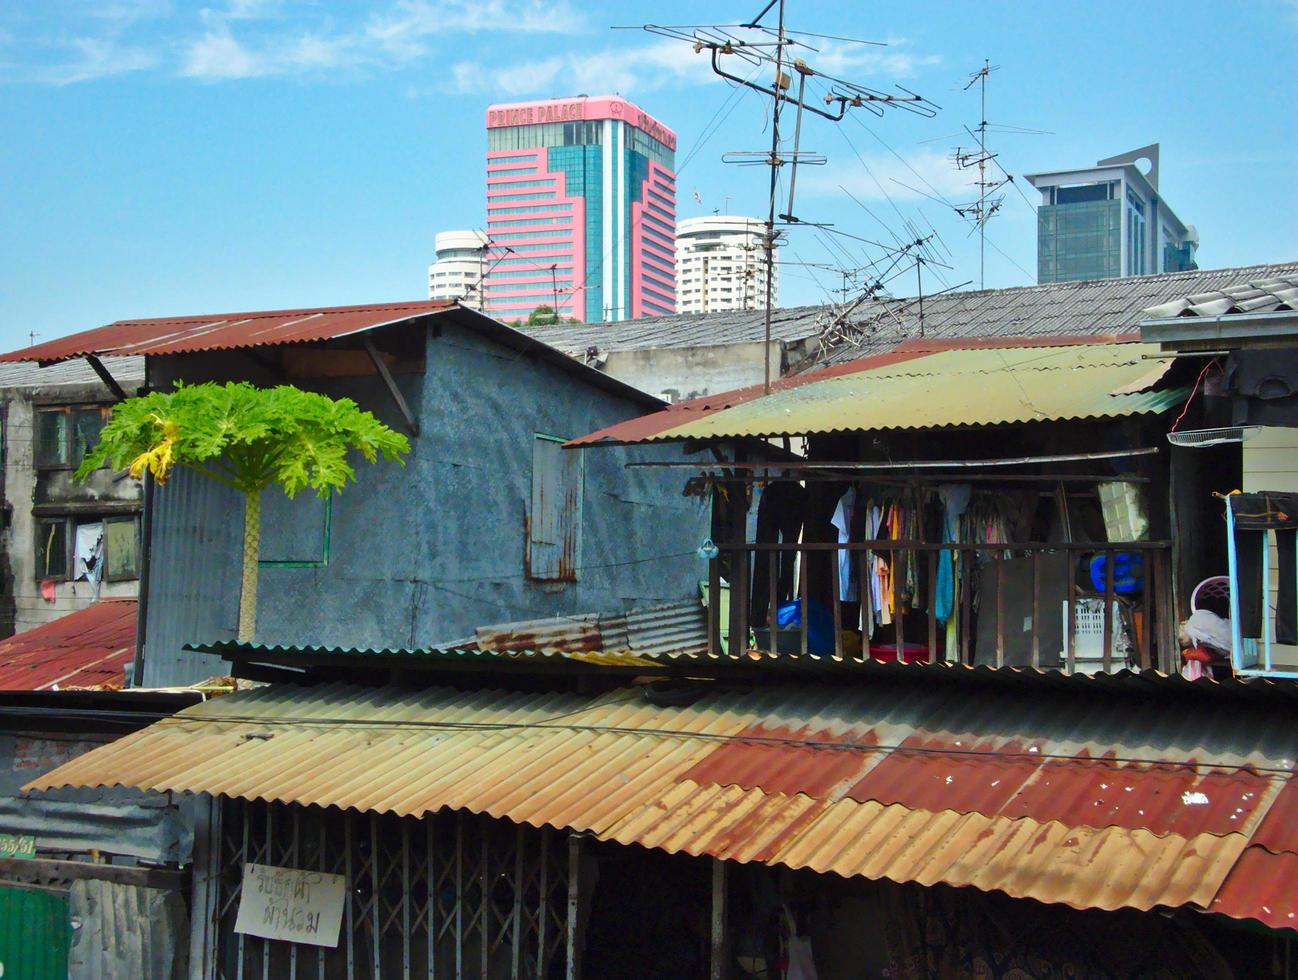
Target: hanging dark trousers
{"x": 1255, "y": 514}
{"x": 780, "y": 513}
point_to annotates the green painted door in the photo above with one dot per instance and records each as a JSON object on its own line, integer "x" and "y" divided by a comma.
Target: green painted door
{"x": 35, "y": 934}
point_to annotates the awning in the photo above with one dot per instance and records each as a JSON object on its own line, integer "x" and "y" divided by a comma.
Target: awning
{"x": 923, "y": 388}
{"x": 1092, "y": 802}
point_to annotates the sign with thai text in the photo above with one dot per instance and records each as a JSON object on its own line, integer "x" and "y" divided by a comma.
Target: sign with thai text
{"x": 292, "y": 905}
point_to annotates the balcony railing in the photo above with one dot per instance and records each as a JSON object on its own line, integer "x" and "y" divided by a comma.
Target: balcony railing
{"x": 1148, "y": 611}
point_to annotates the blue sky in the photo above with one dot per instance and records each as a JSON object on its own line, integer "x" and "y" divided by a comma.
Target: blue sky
{"x": 163, "y": 157}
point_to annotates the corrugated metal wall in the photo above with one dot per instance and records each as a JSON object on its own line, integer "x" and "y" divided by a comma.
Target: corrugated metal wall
{"x": 430, "y": 551}
{"x": 126, "y": 931}
{"x": 34, "y": 934}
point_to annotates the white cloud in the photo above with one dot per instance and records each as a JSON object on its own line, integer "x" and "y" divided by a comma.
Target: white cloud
{"x": 404, "y": 33}
{"x": 642, "y": 69}
{"x": 918, "y": 175}
{"x": 217, "y": 55}
{"x": 96, "y": 58}
{"x": 877, "y": 67}
{"x": 407, "y": 30}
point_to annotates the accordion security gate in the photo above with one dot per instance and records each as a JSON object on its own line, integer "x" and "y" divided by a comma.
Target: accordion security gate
{"x": 447, "y": 895}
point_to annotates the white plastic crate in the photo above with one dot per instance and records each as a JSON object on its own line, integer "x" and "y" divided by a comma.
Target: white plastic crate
{"x": 1088, "y": 641}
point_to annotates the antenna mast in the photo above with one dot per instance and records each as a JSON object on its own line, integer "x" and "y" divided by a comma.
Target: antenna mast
{"x": 986, "y": 205}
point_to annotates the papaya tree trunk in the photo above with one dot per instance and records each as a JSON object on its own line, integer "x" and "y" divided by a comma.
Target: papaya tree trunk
{"x": 251, "y": 551}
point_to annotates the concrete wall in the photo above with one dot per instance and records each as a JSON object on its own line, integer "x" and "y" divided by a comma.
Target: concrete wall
{"x": 425, "y": 553}
{"x": 21, "y": 604}
{"x": 677, "y": 374}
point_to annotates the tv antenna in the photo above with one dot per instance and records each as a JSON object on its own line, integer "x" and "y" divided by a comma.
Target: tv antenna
{"x": 989, "y": 202}
{"x": 762, "y": 48}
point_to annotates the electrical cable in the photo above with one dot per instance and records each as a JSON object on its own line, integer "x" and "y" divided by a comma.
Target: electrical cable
{"x": 773, "y": 741}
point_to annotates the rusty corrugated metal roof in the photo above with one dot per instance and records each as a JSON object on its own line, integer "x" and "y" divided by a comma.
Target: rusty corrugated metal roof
{"x": 917, "y": 389}
{"x": 89, "y": 648}
{"x": 222, "y": 331}
{"x": 217, "y": 331}
{"x": 1092, "y": 802}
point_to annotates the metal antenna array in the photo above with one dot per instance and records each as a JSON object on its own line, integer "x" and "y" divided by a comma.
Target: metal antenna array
{"x": 988, "y": 203}
{"x": 762, "y": 48}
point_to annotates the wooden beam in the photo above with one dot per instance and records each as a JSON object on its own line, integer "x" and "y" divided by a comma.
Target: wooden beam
{"x": 109, "y": 381}
{"x": 381, "y": 366}
{"x": 720, "y": 966}
{"x": 46, "y": 870}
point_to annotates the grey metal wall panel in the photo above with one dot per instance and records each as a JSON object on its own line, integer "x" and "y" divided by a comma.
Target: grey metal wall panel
{"x": 126, "y": 931}
{"x": 113, "y": 821}
{"x": 429, "y": 551}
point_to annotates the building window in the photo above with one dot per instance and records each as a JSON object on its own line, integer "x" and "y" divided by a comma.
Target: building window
{"x": 1135, "y": 236}
{"x": 121, "y": 548}
{"x": 52, "y": 551}
{"x": 84, "y": 547}
{"x": 554, "y": 517}
{"x": 64, "y": 435}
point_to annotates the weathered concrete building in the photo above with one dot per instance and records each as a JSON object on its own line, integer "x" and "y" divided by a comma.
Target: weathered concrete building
{"x": 55, "y": 527}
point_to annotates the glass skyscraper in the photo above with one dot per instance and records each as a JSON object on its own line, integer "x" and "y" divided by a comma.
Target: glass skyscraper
{"x": 1108, "y": 220}
{"x": 581, "y": 210}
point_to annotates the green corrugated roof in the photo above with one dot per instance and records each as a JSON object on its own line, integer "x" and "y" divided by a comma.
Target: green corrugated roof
{"x": 977, "y": 386}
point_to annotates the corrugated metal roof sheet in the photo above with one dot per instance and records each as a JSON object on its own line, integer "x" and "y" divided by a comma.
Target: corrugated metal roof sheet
{"x": 918, "y": 389}
{"x": 688, "y": 660}
{"x": 126, "y": 371}
{"x": 1080, "y": 800}
{"x": 222, "y": 331}
{"x": 1272, "y": 295}
{"x": 1104, "y": 306}
{"x": 218, "y": 331}
{"x": 87, "y": 648}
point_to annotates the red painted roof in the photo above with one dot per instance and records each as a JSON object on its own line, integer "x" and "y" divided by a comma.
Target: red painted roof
{"x": 217, "y": 331}
{"x": 87, "y": 648}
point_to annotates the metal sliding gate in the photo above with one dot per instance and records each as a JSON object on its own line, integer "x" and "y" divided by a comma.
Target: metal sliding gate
{"x": 449, "y": 895}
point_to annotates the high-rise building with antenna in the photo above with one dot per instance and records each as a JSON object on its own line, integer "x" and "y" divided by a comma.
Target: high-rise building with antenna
{"x": 581, "y": 210}
{"x": 1109, "y": 220}
{"x": 721, "y": 266}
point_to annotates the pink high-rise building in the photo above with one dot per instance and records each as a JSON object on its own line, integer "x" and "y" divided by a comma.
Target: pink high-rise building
{"x": 581, "y": 210}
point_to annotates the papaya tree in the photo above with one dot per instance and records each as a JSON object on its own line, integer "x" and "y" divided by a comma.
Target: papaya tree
{"x": 248, "y": 439}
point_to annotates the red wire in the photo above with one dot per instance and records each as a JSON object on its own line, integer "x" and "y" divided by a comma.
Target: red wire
{"x": 1194, "y": 391}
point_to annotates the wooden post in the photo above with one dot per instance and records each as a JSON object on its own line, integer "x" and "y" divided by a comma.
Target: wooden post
{"x": 836, "y": 584}
{"x": 574, "y": 907}
{"x": 803, "y": 574}
{"x": 714, "y": 606}
{"x": 1070, "y": 640}
{"x": 1108, "y": 609}
{"x": 1000, "y": 609}
{"x": 898, "y": 637}
{"x": 738, "y": 645}
{"x": 967, "y": 566}
{"x": 1036, "y": 609}
{"x": 720, "y": 958}
{"x": 932, "y": 605}
{"x": 773, "y": 601}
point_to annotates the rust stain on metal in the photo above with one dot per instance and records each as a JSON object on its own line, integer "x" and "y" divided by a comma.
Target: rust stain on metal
{"x": 779, "y": 759}
{"x": 220, "y": 331}
{"x": 769, "y": 775}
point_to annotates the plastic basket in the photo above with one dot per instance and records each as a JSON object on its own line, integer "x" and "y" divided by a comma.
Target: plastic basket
{"x": 1088, "y": 640}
